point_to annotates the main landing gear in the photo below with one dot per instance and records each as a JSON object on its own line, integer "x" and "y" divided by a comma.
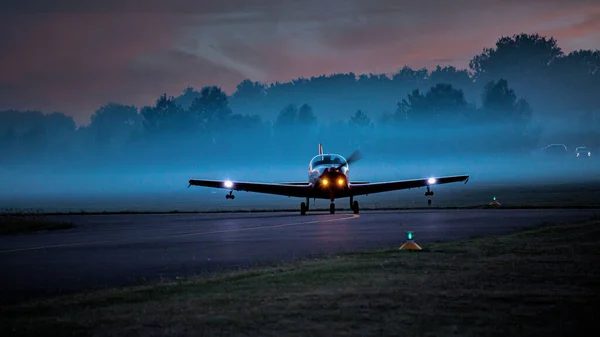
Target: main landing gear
{"x": 429, "y": 193}
{"x": 304, "y": 207}
{"x": 230, "y": 195}
{"x": 353, "y": 206}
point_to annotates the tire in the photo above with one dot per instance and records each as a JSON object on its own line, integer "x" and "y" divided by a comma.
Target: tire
{"x": 355, "y": 207}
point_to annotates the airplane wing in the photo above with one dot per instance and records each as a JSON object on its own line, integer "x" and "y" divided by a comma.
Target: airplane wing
{"x": 404, "y": 184}
{"x": 278, "y": 189}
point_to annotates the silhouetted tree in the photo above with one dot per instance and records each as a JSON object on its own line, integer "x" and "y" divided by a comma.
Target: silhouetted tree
{"x": 516, "y": 56}
{"x": 287, "y": 116}
{"x": 360, "y": 119}
{"x": 165, "y": 117}
{"x": 113, "y": 124}
{"x": 211, "y": 110}
{"x": 306, "y": 116}
{"x": 187, "y": 97}
{"x": 500, "y": 103}
{"x": 442, "y": 101}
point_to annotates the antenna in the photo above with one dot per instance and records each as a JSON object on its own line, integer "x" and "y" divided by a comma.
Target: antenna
{"x": 320, "y": 148}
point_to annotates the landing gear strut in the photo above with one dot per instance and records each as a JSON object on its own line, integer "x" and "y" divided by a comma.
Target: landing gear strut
{"x": 230, "y": 195}
{"x": 304, "y": 207}
{"x": 429, "y": 193}
{"x": 354, "y": 205}
{"x": 332, "y": 208}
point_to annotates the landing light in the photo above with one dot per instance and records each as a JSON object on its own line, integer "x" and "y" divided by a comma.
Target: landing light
{"x": 431, "y": 180}
{"x": 325, "y": 182}
{"x": 228, "y": 183}
{"x": 341, "y": 181}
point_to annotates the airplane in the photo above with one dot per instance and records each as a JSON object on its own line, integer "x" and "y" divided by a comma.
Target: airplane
{"x": 328, "y": 178}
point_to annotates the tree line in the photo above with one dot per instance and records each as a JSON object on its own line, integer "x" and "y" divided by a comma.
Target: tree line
{"x": 507, "y": 94}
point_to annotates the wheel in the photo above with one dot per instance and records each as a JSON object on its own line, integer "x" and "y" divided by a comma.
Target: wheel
{"x": 332, "y": 208}
{"x": 355, "y": 207}
{"x": 303, "y": 209}
{"x": 232, "y": 197}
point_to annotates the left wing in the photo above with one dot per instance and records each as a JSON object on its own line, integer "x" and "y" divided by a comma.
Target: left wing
{"x": 403, "y": 184}
{"x": 279, "y": 189}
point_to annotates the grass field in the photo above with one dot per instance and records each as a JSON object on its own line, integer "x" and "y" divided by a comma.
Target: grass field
{"x": 537, "y": 282}
{"x": 21, "y": 223}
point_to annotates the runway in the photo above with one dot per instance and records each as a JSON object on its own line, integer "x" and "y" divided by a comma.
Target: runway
{"x": 115, "y": 250}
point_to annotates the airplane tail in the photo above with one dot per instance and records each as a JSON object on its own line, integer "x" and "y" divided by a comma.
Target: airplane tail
{"x": 320, "y": 148}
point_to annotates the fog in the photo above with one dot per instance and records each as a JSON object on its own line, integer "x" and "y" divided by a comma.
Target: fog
{"x": 490, "y": 122}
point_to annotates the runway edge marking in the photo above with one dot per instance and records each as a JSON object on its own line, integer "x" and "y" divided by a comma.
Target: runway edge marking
{"x": 352, "y": 216}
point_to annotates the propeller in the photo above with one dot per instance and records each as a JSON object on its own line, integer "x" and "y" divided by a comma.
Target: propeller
{"x": 354, "y": 157}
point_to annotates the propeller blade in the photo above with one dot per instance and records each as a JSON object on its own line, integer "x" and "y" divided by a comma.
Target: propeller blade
{"x": 353, "y": 158}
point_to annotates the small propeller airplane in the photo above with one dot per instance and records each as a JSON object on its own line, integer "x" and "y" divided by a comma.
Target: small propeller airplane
{"x": 328, "y": 178}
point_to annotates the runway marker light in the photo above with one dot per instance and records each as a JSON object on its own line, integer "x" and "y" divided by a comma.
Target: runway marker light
{"x": 410, "y": 244}
{"x": 494, "y": 198}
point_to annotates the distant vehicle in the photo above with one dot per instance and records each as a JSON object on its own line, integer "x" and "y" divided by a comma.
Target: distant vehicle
{"x": 555, "y": 150}
{"x": 583, "y": 152}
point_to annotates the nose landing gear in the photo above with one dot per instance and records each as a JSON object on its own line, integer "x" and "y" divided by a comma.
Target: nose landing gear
{"x": 230, "y": 195}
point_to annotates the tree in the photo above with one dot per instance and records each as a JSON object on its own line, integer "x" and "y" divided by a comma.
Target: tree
{"x": 515, "y": 57}
{"x": 113, "y": 124}
{"x": 442, "y": 101}
{"x": 287, "y": 116}
{"x": 248, "y": 90}
{"x": 306, "y": 116}
{"x": 187, "y": 97}
{"x": 165, "y": 117}
{"x": 501, "y": 105}
{"x": 360, "y": 119}
{"x": 211, "y": 109}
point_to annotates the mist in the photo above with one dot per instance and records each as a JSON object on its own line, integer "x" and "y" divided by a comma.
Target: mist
{"x": 490, "y": 121}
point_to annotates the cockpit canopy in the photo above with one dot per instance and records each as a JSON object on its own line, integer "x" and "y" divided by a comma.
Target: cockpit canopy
{"x": 327, "y": 160}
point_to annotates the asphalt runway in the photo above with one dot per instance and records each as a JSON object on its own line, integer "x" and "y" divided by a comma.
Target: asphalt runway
{"x": 114, "y": 250}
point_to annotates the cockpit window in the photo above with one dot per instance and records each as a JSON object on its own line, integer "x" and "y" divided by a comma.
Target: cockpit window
{"x": 328, "y": 159}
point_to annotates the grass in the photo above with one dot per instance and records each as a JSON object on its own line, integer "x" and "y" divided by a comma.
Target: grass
{"x": 536, "y": 282}
{"x": 21, "y": 223}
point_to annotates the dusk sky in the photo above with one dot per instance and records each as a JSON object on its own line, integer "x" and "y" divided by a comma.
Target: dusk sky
{"x": 74, "y": 56}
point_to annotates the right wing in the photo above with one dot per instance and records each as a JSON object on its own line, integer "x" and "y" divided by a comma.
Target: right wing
{"x": 267, "y": 188}
{"x": 402, "y": 184}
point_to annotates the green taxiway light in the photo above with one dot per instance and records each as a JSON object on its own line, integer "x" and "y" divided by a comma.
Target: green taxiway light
{"x": 409, "y": 235}
{"x": 494, "y": 198}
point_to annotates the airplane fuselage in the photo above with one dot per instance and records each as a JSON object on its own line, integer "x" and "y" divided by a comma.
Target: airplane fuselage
{"x": 328, "y": 174}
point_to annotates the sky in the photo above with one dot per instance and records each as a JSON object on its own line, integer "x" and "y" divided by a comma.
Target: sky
{"x": 74, "y": 56}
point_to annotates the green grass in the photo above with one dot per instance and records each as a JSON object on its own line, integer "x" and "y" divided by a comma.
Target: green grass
{"x": 538, "y": 282}
{"x": 11, "y": 223}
